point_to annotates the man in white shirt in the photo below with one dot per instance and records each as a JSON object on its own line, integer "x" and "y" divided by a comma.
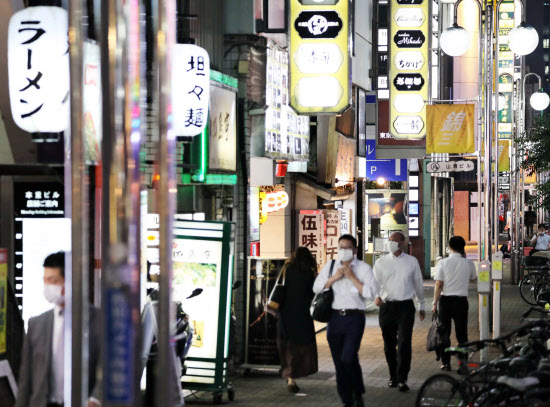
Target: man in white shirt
{"x": 541, "y": 240}
{"x": 400, "y": 280}
{"x": 353, "y": 284}
{"x": 452, "y": 277}
{"x": 41, "y": 377}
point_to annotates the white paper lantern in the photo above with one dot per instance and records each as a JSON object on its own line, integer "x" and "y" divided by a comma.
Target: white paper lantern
{"x": 38, "y": 69}
{"x": 539, "y": 100}
{"x": 523, "y": 39}
{"x": 455, "y": 41}
{"x": 190, "y": 89}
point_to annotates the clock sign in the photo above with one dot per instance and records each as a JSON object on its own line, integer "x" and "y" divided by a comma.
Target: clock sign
{"x": 318, "y": 24}
{"x": 409, "y": 38}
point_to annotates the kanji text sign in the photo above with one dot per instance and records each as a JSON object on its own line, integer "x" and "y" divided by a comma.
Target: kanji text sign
{"x": 408, "y": 68}
{"x": 450, "y": 129}
{"x": 450, "y": 166}
{"x": 38, "y": 68}
{"x": 190, "y": 89}
{"x": 311, "y": 235}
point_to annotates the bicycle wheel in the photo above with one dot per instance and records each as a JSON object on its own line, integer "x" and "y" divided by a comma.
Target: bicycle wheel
{"x": 529, "y": 286}
{"x": 441, "y": 390}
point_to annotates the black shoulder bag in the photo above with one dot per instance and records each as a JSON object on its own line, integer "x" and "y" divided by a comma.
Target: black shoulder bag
{"x": 321, "y": 306}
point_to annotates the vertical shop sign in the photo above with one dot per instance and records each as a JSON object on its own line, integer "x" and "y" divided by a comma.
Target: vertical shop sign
{"x": 506, "y": 22}
{"x": 320, "y": 62}
{"x": 311, "y": 235}
{"x": 333, "y": 234}
{"x": 3, "y": 298}
{"x": 345, "y": 222}
{"x": 190, "y": 89}
{"x": 222, "y": 146}
{"x": 408, "y": 68}
{"x": 345, "y": 164}
{"x": 38, "y": 67}
{"x": 286, "y": 133}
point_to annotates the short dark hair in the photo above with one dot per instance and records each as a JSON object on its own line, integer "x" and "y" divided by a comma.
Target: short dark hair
{"x": 403, "y": 237}
{"x": 56, "y": 260}
{"x": 457, "y": 243}
{"x": 350, "y": 238}
{"x": 542, "y": 225}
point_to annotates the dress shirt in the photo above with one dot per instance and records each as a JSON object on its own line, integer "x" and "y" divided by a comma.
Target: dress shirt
{"x": 542, "y": 242}
{"x": 346, "y": 295}
{"x": 58, "y": 357}
{"x": 456, "y": 272}
{"x": 400, "y": 278}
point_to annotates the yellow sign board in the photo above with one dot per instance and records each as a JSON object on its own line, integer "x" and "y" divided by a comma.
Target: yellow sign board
{"x": 483, "y": 276}
{"x": 503, "y": 155}
{"x": 320, "y": 79}
{"x": 3, "y": 298}
{"x": 450, "y": 129}
{"x": 497, "y": 265}
{"x": 409, "y": 37}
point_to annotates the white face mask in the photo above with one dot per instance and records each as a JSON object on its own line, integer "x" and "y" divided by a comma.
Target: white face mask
{"x": 393, "y": 246}
{"x": 345, "y": 254}
{"x": 52, "y": 293}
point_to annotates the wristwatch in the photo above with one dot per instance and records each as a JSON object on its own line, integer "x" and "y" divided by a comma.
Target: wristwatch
{"x": 434, "y": 303}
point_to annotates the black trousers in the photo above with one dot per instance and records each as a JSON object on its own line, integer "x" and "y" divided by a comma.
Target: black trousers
{"x": 344, "y": 334}
{"x": 454, "y": 308}
{"x": 396, "y": 320}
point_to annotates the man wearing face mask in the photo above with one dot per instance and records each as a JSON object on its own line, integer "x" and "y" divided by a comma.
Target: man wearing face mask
{"x": 353, "y": 284}
{"x": 400, "y": 281}
{"x": 41, "y": 375}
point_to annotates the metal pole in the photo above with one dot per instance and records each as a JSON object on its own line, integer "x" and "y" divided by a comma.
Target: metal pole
{"x": 514, "y": 253}
{"x": 165, "y": 200}
{"x": 76, "y": 384}
{"x": 121, "y": 203}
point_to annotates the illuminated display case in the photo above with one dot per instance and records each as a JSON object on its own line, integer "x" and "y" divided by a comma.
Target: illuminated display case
{"x": 203, "y": 255}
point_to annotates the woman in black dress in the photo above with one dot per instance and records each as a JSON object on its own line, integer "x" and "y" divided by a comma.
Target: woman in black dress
{"x": 296, "y": 332}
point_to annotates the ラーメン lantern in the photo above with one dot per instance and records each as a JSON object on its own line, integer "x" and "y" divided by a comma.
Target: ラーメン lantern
{"x": 38, "y": 69}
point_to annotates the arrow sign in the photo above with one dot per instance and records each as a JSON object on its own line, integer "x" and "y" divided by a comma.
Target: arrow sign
{"x": 450, "y": 166}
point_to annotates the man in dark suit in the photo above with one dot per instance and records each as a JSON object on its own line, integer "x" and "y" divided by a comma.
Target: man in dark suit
{"x": 42, "y": 367}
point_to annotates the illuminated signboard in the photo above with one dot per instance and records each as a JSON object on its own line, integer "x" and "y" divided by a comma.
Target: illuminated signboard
{"x": 505, "y": 66}
{"x": 319, "y": 56}
{"x": 38, "y": 67}
{"x": 408, "y": 68}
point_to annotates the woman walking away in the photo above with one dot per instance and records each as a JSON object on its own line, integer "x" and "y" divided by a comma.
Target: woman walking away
{"x": 452, "y": 277}
{"x": 296, "y": 332}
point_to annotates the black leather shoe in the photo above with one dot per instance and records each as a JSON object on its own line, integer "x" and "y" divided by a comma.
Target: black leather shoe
{"x": 446, "y": 368}
{"x": 403, "y": 387}
{"x": 392, "y": 383}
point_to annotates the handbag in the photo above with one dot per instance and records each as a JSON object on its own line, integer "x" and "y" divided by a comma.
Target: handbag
{"x": 276, "y": 298}
{"x": 321, "y": 306}
{"x": 438, "y": 337}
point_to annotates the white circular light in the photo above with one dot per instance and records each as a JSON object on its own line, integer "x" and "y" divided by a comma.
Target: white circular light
{"x": 523, "y": 39}
{"x": 455, "y": 41}
{"x": 539, "y": 100}
{"x": 381, "y": 181}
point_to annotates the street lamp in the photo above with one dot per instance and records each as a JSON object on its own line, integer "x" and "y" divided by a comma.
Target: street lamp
{"x": 539, "y": 100}
{"x": 455, "y": 40}
{"x": 523, "y": 39}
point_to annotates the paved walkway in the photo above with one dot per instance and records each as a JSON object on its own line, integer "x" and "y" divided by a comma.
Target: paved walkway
{"x": 265, "y": 388}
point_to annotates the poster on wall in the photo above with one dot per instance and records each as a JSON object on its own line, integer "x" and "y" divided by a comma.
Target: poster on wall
{"x": 311, "y": 234}
{"x": 345, "y": 164}
{"x": 286, "y": 133}
{"x": 261, "y": 326}
{"x": 92, "y": 105}
{"x": 333, "y": 234}
{"x": 197, "y": 264}
{"x": 223, "y": 128}
{"x": 388, "y": 206}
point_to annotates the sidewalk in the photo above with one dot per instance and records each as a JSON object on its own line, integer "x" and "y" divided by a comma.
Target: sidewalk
{"x": 265, "y": 388}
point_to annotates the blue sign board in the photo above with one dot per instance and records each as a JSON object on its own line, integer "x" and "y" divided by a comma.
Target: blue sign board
{"x": 390, "y": 170}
